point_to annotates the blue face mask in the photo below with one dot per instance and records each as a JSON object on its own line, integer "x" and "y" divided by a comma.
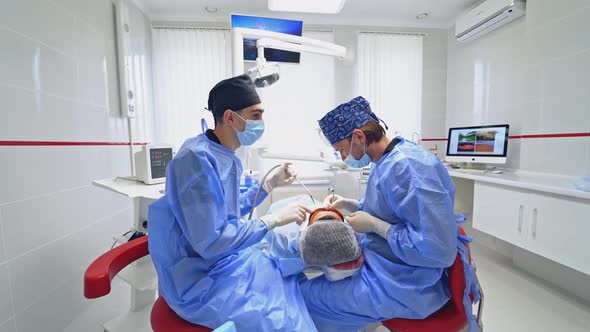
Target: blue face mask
{"x": 360, "y": 163}
{"x": 252, "y": 133}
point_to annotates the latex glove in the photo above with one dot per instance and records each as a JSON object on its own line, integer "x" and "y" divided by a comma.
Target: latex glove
{"x": 339, "y": 202}
{"x": 278, "y": 178}
{"x": 292, "y": 213}
{"x": 362, "y": 222}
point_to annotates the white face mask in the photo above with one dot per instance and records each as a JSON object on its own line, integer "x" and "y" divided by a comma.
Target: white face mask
{"x": 335, "y": 275}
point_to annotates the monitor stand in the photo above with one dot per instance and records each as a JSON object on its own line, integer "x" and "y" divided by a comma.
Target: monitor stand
{"x": 474, "y": 166}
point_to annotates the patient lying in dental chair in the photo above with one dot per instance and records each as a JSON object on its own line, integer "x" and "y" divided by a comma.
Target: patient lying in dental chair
{"x": 325, "y": 241}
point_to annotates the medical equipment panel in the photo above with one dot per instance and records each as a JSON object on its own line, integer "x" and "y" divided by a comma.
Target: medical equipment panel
{"x": 151, "y": 162}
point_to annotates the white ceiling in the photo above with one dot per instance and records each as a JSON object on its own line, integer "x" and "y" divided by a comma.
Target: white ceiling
{"x": 355, "y": 12}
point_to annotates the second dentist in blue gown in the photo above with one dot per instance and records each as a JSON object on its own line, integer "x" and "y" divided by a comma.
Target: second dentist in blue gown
{"x": 411, "y": 233}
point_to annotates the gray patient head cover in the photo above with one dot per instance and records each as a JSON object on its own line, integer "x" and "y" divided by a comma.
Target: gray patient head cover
{"x": 328, "y": 242}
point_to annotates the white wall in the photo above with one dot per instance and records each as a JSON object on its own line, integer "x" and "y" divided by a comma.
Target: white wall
{"x": 58, "y": 83}
{"x": 433, "y": 83}
{"x": 533, "y": 74}
{"x": 295, "y": 103}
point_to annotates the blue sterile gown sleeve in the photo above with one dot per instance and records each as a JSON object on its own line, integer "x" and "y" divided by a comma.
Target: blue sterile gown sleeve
{"x": 209, "y": 271}
{"x": 404, "y": 276}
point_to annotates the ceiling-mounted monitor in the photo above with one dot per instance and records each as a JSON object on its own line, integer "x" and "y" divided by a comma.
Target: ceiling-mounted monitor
{"x": 291, "y": 27}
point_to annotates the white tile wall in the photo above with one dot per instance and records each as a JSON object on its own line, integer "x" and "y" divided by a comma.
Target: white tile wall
{"x": 42, "y": 21}
{"x": 8, "y": 326}
{"x": 540, "y": 13}
{"x": 2, "y": 254}
{"x": 70, "y": 211}
{"x": 30, "y": 286}
{"x": 532, "y": 74}
{"x": 95, "y": 12}
{"x": 559, "y": 38}
{"x": 6, "y": 306}
{"x": 566, "y": 106}
{"x": 59, "y": 83}
{"x": 54, "y": 118}
{"x": 434, "y": 87}
{"x": 18, "y": 60}
{"x": 433, "y": 121}
{"x": 32, "y": 171}
{"x": 32, "y": 65}
{"x": 92, "y": 71}
{"x": 556, "y": 155}
{"x": 434, "y": 82}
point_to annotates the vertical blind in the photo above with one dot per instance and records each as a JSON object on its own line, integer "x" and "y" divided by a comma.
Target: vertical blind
{"x": 187, "y": 64}
{"x": 294, "y": 104}
{"x": 389, "y": 75}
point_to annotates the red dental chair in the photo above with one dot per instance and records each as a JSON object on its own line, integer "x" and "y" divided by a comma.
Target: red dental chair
{"x": 98, "y": 277}
{"x": 97, "y": 283}
{"x": 452, "y": 316}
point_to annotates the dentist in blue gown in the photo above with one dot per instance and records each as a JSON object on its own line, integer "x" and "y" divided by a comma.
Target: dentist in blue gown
{"x": 209, "y": 271}
{"x": 410, "y": 232}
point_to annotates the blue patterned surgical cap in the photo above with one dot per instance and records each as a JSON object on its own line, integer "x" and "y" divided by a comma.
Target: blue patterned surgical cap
{"x": 339, "y": 123}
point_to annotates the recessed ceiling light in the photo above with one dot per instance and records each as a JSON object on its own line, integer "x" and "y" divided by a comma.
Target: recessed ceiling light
{"x": 211, "y": 10}
{"x": 307, "y": 6}
{"x": 422, "y": 16}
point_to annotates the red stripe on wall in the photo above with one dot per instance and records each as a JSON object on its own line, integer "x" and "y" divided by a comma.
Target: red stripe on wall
{"x": 56, "y": 143}
{"x": 63, "y": 143}
{"x": 433, "y": 139}
{"x": 551, "y": 135}
{"x": 562, "y": 135}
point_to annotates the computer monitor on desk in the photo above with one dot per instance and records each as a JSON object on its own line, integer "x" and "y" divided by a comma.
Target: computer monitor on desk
{"x": 480, "y": 144}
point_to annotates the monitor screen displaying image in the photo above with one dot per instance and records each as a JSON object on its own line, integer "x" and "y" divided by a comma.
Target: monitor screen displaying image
{"x": 269, "y": 24}
{"x": 477, "y": 143}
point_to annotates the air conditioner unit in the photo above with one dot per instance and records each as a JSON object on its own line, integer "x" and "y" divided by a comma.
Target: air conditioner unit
{"x": 486, "y": 17}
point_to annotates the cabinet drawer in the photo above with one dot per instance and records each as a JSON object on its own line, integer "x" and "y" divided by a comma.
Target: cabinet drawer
{"x": 560, "y": 227}
{"x": 500, "y": 212}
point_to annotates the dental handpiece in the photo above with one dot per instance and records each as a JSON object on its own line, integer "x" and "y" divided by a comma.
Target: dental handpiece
{"x": 292, "y": 173}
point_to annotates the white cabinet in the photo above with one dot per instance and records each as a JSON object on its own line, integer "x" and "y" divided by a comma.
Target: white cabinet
{"x": 552, "y": 226}
{"x": 500, "y": 212}
{"x": 560, "y": 228}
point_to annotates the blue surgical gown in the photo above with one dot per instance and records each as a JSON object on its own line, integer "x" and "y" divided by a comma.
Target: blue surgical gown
{"x": 209, "y": 271}
{"x": 404, "y": 276}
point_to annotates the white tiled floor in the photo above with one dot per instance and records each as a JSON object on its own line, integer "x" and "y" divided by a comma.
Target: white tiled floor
{"x": 518, "y": 301}
{"x": 514, "y": 301}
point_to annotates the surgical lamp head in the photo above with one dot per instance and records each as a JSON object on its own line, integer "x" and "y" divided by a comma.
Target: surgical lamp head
{"x": 264, "y": 74}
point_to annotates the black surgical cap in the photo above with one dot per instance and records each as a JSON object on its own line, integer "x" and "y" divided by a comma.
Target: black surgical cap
{"x": 234, "y": 93}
